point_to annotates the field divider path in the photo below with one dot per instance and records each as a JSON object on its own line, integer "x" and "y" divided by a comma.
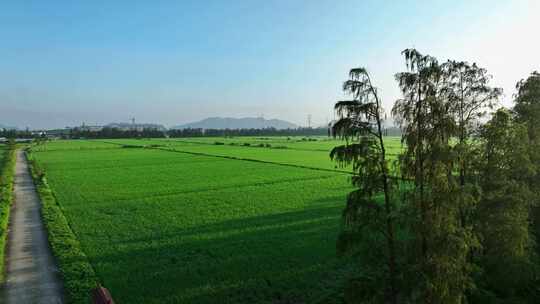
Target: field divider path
{"x": 31, "y": 273}
{"x": 252, "y": 160}
{"x": 168, "y": 149}
{"x": 237, "y": 158}
{"x": 242, "y": 146}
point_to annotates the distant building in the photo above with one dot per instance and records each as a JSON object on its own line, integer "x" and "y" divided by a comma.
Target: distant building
{"x": 23, "y": 140}
{"x": 91, "y": 128}
{"x": 136, "y": 126}
{"x": 58, "y": 133}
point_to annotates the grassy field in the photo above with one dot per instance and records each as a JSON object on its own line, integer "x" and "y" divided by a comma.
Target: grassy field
{"x": 190, "y": 224}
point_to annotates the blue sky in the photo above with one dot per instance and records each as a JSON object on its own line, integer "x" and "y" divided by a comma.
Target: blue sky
{"x": 67, "y": 62}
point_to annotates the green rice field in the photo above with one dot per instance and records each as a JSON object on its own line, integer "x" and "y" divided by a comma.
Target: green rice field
{"x": 192, "y": 221}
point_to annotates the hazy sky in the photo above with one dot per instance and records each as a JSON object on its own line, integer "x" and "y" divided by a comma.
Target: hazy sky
{"x": 171, "y": 62}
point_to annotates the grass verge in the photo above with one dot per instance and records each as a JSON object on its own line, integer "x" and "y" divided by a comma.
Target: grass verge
{"x": 78, "y": 275}
{"x": 6, "y": 197}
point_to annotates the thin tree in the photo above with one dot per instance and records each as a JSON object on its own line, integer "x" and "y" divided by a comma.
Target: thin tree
{"x": 470, "y": 95}
{"x": 410, "y": 112}
{"x": 425, "y": 116}
{"x": 360, "y": 124}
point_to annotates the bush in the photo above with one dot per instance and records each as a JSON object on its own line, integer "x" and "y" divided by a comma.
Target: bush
{"x": 247, "y": 144}
{"x": 7, "y": 168}
{"x": 219, "y": 143}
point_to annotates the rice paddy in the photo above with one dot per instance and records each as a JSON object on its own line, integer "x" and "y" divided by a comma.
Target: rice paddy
{"x": 191, "y": 221}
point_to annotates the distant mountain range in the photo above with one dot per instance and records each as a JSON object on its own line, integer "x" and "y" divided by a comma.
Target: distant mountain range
{"x": 238, "y": 123}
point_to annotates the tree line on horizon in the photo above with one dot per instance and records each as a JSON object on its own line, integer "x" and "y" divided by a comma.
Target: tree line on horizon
{"x": 455, "y": 218}
{"x": 114, "y": 133}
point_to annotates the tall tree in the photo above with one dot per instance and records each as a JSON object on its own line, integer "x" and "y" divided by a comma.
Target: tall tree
{"x": 366, "y": 219}
{"x": 527, "y": 108}
{"x": 470, "y": 95}
{"x": 503, "y": 214}
{"x": 425, "y": 116}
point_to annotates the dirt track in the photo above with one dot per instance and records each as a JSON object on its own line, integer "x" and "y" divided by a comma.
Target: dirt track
{"x": 31, "y": 274}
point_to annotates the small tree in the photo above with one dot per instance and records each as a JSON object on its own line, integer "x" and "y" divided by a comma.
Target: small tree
{"x": 367, "y": 219}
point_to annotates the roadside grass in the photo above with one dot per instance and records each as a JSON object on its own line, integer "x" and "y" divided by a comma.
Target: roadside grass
{"x": 7, "y": 170}
{"x": 78, "y": 275}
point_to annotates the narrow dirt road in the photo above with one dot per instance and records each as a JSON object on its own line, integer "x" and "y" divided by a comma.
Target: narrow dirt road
{"x": 31, "y": 274}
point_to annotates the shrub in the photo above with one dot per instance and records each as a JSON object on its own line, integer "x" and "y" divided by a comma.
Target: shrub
{"x": 7, "y": 168}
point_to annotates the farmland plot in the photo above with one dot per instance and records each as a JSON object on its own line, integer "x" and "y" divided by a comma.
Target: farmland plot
{"x": 314, "y": 156}
{"x": 317, "y": 143}
{"x": 167, "y": 227}
{"x": 74, "y": 145}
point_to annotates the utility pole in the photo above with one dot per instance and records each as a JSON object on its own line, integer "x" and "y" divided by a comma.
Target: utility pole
{"x": 309, "y": 121}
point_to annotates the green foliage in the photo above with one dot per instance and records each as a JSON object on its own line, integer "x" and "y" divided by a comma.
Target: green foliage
{"x": 7, "y": 169}
{"x": 527, "y": 110}
{"x": 468, "y": 213}
{"x": 77, "y": 273}
{"x": 528, "y": 105}
{"x": 508, "y": 257}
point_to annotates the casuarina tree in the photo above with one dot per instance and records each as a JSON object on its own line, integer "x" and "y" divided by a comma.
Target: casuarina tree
{"x": 369, "y": 224}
